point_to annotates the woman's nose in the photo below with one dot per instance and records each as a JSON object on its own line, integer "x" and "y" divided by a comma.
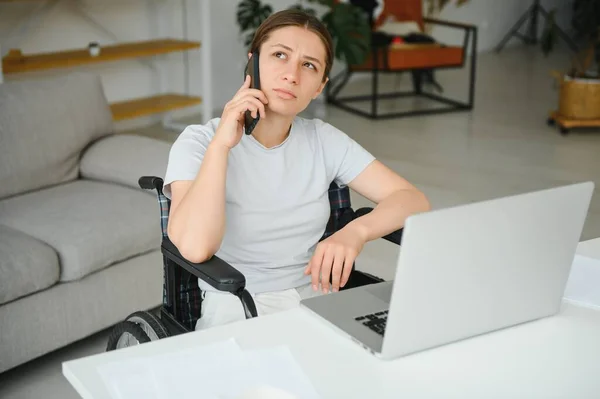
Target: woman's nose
{"x": 291, "y": 74}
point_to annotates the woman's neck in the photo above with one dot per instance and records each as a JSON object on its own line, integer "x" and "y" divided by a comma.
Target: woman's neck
{"x": 272, "y": 130}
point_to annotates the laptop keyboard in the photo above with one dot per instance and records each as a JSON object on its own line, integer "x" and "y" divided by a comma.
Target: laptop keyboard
{"x": 375, "y": 321}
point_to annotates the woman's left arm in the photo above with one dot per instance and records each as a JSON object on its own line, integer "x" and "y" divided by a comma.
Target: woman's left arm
{"x": 396, "y": 200}
{"x": 395, "y": 197}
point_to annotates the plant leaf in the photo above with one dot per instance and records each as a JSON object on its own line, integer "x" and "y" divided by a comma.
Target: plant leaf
{"x": 586, "y": 18}
{"x": 251, "y": 13}
{"x": 586, "y": 24}
{"x": 549, "y": 35}
{"x": 351, "y": 32}
{"x": 248, "y": 39}
{"x": 305, "y": 9}
{"x": 326, "y": 3}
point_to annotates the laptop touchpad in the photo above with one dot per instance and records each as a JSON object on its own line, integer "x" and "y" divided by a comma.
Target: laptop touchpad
{"x": 382, "y": 291}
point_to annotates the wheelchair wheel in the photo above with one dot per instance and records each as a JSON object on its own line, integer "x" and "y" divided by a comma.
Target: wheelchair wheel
{"x": 138, "y": 328}
{"x": 125, "y": 334}
{"x": 152, "y": 326}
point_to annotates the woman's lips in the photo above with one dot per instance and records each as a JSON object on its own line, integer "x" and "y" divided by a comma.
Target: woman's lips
{"x": 285, "y": 94}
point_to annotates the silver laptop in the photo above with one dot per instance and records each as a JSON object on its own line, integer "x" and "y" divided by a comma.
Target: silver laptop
{"x": 467, "y": 270}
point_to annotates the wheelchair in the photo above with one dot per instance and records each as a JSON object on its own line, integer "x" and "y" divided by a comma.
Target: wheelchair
{"x": 182, "y": 298}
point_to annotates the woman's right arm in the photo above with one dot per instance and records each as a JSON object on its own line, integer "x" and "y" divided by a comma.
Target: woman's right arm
{"x": 197, "y": 215}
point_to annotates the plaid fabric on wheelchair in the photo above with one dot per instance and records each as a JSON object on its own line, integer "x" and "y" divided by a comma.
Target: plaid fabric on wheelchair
{"x": 189, "y": 295}
{"x": 341, "y": 212}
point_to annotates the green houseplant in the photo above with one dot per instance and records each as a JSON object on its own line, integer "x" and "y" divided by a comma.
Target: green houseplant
{"x": 347, "y": 24}
{"x": 579, "y": 97}
{"x": 586, "y": 24}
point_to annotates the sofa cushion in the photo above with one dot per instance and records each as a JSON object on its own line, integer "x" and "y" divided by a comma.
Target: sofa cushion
{"x": 26, "y": 265}
{"x": 44, "y": 126}
{"x": 124, "y": 158}
{"x": 90, "y": 224}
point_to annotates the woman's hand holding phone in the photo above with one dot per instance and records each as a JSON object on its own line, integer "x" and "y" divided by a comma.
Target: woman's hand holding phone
{"x": 230, "y": 129}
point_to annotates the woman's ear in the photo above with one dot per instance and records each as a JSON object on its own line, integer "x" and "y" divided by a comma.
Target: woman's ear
{"x": 249, "y": 55}
{"x": 320, "y": 90}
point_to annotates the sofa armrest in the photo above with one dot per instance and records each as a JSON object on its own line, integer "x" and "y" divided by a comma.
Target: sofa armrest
{"x": 394, "y": 237}
{"x": 215, "y": 271}
{"x": 122, "y": 159}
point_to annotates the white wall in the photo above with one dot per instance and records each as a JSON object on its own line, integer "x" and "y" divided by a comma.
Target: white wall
{"x": 495, "y": 18}
{"x": 64, "y": 28}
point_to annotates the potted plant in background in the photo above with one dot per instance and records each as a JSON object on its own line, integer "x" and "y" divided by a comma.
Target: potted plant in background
{"x": 579, "y": 94}
{"x": 347, "y": 24}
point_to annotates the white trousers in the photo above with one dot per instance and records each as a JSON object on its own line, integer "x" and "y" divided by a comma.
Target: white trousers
{"x": 220, "y": 308}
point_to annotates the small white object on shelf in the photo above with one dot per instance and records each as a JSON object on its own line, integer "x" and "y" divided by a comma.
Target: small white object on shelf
{"x": 94, "y": 48}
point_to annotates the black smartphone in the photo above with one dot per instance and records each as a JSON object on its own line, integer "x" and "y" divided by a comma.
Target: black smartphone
{"x": 252, "y": 70}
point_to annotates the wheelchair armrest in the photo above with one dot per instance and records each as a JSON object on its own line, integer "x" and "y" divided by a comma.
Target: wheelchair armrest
{"x": 394, "y": 237}
{"x": 214, "y": 271}
{"x": 150, "y": 183}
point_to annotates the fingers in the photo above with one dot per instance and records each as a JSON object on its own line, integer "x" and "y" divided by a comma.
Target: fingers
{"x": 315, "y": 267}
{"x": 245, "y": 91}
{"x": 250, "y": 94}
{"x": 245, "y": 85}
{"x": 348, "y": 264}
{"x": 337, "y": 270}
{"x": 326, "y": 266}
{"x": 259, "y": 94}
{"x": 330, "y": 262}
{"x": 250, "y": 104}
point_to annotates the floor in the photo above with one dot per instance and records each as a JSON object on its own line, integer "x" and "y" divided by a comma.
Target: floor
{"x": 503, "y": 147}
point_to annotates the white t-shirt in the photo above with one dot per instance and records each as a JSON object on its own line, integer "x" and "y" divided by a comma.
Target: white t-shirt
{"x": 277, "y": 203}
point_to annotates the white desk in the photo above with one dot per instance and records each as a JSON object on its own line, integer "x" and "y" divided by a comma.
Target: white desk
{"x": 557, "y": 357}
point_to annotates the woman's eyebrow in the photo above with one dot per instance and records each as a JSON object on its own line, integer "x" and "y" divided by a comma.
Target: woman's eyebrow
{"x": 314, "y": 59}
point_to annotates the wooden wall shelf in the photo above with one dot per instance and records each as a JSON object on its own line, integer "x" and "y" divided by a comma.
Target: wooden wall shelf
{"x": 15, "y": 62}
{"x": 151, "y": 105}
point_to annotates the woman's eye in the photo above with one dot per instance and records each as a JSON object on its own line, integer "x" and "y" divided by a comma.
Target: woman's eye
{"x": 310, "y": 65}
{"x": 279, "y": 54}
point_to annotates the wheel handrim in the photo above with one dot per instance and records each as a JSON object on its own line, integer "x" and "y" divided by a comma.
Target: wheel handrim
{"x": 145, "y": 326}
{"x": 127, "y": 339}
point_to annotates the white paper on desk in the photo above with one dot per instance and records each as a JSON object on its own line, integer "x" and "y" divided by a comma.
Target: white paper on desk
{"x": 209, "y": 371}
{"x": 583, "y": 286}
{"x": 277, "y": 368}
{"x": 129, "y": 379}
{"x": 217, "y": 370}
{"x": 214, "y": 371}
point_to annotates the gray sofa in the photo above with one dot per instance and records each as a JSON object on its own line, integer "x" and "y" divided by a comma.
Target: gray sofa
{"x": 79, "y": 240}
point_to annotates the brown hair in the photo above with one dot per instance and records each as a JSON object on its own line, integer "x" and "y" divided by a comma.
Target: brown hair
{"x": 295, "y": 17}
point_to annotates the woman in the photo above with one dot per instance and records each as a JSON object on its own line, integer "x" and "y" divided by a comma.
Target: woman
{"x": 260, "y": 201}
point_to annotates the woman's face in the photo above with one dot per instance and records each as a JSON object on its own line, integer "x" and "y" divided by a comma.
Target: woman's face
{"x": 292, "y": 64}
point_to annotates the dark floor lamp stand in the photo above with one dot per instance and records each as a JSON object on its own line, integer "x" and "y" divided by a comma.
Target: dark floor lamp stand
{"x": 531, "y": 38}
